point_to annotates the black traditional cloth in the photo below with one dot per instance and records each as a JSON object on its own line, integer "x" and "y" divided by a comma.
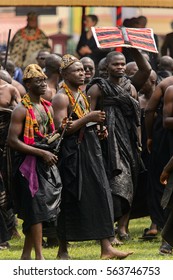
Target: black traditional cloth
{"x": 167, "y": 203}
{"x": 86, "y": 208}
{"x": 162, "y": 150}
{"x": 37, "y": 186}
{"x": 7, "y": 217}
{"x": 5, "y": 222}
{"x": 140, "y": 202}
{"x": 44, "y": 206}
{"x": 120, "y": 149}
{"x": 5, "y": 152}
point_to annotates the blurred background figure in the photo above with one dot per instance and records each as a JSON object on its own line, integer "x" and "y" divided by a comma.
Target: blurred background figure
{"x": 87, "y": 45}
{"x": 165, "y": 68}
{"x": 89, "y": 68}
{"x": 10, "y": 68}
{"x": 102, "y": 68}
{"x": 142, "y": 23}
{"x": 18, "y": 73}
{"x": 27, "y": 41}
{"x": 41, "y": 56}
{"x": 52, "y": 71}
{"x": 131, "y": 68}
{"x": 167, "y": 46}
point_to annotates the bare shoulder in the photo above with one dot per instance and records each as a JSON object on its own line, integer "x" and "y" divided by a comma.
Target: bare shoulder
{"x": 94, "y": 90}
{"x": 166, "y": 83}
{"x": 169, "y": 88}
{"x": 10, "y": 86}
{"x": 19, "y": 87}
{"x": 60, "y": 99}
{"x": 12, "y": 89}
{"x": 19, "y": 112}
{"x": 169, "y": 92}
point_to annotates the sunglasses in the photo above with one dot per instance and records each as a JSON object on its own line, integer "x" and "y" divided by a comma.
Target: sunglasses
{"x": 89, "y": 68}
{"x": 42, "y": 58}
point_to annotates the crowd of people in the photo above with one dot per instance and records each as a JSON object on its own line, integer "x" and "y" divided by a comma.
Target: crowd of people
{"x": 85, "y": 144}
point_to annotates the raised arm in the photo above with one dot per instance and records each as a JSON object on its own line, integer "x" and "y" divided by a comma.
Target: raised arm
{"x": 144, "y": 69}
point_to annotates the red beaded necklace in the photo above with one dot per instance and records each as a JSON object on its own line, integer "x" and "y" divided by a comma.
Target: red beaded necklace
{"x": 30, "y": 38}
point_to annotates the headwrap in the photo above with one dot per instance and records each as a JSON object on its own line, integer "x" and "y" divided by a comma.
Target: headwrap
{"x": 68, "y": 60}
{"x": 33, "y": 71}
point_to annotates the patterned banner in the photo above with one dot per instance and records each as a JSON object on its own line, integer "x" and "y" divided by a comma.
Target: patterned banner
{"x": 112, "y": 37}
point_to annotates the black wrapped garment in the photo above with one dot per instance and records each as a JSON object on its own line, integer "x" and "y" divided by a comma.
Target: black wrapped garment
{"x": 44, "y": 206}
{"x": 86, "y": 208}
{"x": 120, "y": 149}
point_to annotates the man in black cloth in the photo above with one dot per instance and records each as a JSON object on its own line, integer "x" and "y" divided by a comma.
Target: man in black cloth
{"x": 117, "y": 96}
{"x": 9, "y": 97}
{"x": 37, "y": 184}
{"x": 159, "y": 145}
{"x": 7, "y": 219}
{"x": 86, "y": 208}
{"x": 167, "y": 202}
{"x": 167, "y": 175}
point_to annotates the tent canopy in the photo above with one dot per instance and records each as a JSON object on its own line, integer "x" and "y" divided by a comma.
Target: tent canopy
{"x": 107, "y": 3}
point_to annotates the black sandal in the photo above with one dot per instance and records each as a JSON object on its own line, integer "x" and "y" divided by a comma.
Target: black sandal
{"x": 165, "y": 248}
{"x": 148, "y": 236}
{"x": 124, "y": 236}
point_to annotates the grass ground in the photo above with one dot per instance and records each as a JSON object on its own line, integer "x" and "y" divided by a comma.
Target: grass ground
{"x": 90, "y": 250}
